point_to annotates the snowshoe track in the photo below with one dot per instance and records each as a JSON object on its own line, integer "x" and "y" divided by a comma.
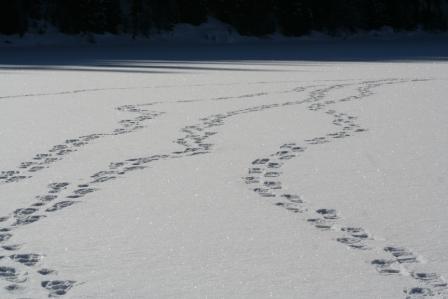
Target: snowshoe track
{"x": 264, "y": 178}
{"x": 193, "y": 142}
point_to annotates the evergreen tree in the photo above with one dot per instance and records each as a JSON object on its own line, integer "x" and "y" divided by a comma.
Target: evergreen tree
{"x": 14, "y": 16}
{"x": 249, "y": 17}
{"x": 377, "y": 15}
{"x": 294, "y": 17}
{"x": 162, "y": 14}
{"x": 191, "y": 11}
{"x": 112, "y": 16}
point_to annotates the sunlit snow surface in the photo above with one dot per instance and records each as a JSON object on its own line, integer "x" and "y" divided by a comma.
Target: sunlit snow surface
{"x": 303, "y": 170}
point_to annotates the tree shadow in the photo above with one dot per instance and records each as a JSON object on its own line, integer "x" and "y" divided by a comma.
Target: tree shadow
{"x": 171, "y": 57}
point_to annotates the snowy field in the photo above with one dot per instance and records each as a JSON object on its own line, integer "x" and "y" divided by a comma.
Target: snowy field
{"x": 291, "y": 170}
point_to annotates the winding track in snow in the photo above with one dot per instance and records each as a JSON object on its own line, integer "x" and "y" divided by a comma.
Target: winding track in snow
{"x": 264, "y": 177}
{"x": 193, "y": 140}
{"x": 92, "y": 90}
{"x": 58, "y": 152}
{"x": 14, "y": 267}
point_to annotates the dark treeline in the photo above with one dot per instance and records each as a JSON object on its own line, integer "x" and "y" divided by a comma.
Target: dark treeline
{"x": 249, "y": 17}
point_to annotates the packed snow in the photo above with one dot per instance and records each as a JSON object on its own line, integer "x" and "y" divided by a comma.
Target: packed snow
{"x": 298, "y": 169}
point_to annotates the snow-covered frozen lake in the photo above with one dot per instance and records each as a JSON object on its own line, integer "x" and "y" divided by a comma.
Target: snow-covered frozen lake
{"x": 294, "y": 170}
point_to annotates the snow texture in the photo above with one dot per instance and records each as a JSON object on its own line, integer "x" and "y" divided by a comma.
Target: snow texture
{"x": 300, "y": 169}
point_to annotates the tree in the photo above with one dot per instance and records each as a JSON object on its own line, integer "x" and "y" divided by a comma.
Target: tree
{"x": 14, "y": 17}
{"x": 294, "y": 17}
{"x": 249, "y": 17}
{"x": 191, "y": 11}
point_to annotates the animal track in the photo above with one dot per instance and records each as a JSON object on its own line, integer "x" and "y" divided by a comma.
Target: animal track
{"x": 26, "y": 259}
{"x": 5, "y": 237}
{"x": 57, "y": 287}
{"x": 11, "y": 247}
{"x": 418, "y": 292}
{"x": 433, "y": 279}
{"x": 11, "y": 275}
{"x": 402, "y": 255}
{"x": 60, "y": 205}
{"x": 46, "y": 271}
{"x": 13, "y": 287}
{"x": 352, "y": 242}
{"x": 356, "y": 239}
{"x": 58, "y": 152}
{"x": 386, "y": 266}
{"x": 328, "y": 213}
{"x": 327, "y": 219}
{"x": 193, "y": 142}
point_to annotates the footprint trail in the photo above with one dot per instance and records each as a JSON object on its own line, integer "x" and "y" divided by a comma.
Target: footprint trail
{"x": 194, "y": 143}
{"x": 264, "y": 177}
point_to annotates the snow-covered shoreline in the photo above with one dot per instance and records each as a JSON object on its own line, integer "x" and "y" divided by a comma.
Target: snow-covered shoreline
{"x": 211, "y": 32}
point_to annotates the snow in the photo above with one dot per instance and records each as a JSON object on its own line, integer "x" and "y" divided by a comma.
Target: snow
{"x": 161, "y": 171}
